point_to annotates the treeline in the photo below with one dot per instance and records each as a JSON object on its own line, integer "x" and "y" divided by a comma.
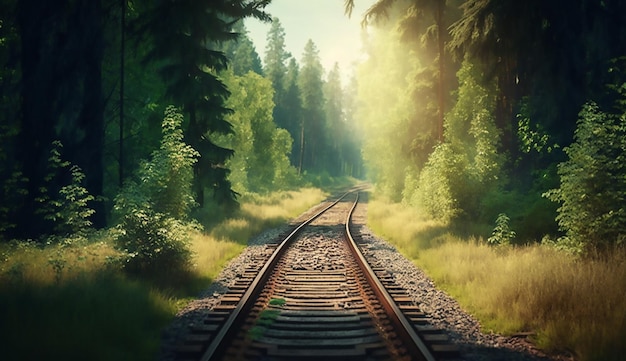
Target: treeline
{"x": 83, "y": 89}
{"x": 485, "y": 110}
{"x": 298, "y": 114}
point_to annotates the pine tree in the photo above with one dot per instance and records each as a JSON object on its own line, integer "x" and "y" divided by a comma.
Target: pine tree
{"x": 293, "y": 107}
{"x": 335, "y": 125}
{"x": 241, "y": 52}
{"x": 275, "y": 70}
{"x": 186, "y": 48}
{"x": 311, "y": 88}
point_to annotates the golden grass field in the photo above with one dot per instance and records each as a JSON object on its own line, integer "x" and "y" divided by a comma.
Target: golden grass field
{"x": 572, "y": 304}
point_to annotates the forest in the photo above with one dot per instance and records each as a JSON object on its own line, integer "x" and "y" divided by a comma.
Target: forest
{"x": 136, "y": 152}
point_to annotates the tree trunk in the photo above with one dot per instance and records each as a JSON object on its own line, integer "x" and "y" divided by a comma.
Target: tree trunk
{"x": 122, "y": 55}
{"x": 441, "y": 48}
{"x": 91, "y": 118}
{"x": 301, "y": 149}
{"x": 37, "y": 113}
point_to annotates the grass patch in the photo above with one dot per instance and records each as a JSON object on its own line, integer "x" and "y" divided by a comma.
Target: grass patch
{"x": 571, "y": 304}
{"x": 72, "y": 302}
{"x": 68, "y": 302}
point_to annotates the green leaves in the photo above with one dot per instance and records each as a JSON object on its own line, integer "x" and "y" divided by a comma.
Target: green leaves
{"x": 461, "y": 171}
{"x": 502, "y": 233}
{"x": 66, "y": 207}
{"x": 261, "y": 149}
{"x": 592, "y": 193}
{"x": 154, "y": 208}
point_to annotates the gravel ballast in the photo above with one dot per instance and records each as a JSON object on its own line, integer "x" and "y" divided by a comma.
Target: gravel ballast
{"x": 445, "y": 312}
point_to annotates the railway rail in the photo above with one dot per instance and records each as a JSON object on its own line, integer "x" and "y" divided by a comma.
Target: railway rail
{"x": 315, "y": 295}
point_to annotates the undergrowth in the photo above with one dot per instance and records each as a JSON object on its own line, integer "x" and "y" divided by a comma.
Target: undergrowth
{"x": 569, "y": 304}
{"x": 74, "y": 298}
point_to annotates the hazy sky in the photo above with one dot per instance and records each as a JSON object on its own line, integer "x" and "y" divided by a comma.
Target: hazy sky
{"x": 337, "y": 37}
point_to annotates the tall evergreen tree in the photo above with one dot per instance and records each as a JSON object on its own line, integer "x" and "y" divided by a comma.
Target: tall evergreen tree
{"x": 576, "y": 43}
{"x": 335, "y": 124}
{"x": 241, "y": 52}
{"x": 276, "y": 69}
{"x": 293, "y": 107}
{"x": 311, "y": 87}
{"x": 186, "y": 48}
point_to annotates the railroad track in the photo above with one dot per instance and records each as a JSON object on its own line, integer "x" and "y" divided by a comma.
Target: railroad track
{"x": 313, "y": 295}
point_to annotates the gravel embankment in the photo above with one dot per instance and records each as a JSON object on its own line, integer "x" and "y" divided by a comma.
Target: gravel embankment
{"x": 443, "y": 310}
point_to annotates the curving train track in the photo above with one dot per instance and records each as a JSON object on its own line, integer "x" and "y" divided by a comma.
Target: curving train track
{"x": 314, "y": 295}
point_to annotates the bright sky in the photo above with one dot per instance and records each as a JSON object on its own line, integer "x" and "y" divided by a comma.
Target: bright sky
{"x": 337, "y": 37}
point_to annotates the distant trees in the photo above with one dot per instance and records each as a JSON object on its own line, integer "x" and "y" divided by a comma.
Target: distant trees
{"x": 276, "y": 70}
{"x": 241, "y": 52}
{"x": 302, "y": 92}
{"x": 311, "y": 90}
{"x": 293, "y": 107}
{"x": 261, "y": 159}
{"x": 426, "y": 21}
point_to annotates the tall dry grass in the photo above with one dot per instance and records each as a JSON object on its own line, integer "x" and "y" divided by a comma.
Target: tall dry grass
{"x": 571, "y": 304}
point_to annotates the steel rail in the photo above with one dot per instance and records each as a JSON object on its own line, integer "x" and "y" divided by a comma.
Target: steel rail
{"x": 244, "y": 305}
{"x": 402, "y": 326}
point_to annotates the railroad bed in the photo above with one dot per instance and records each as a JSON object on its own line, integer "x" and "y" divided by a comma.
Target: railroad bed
{"x": 313, "y": 295}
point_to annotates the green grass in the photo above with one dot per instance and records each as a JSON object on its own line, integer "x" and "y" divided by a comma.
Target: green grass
{"x": 571, "y": 304}
{"x": 73, "y": 303}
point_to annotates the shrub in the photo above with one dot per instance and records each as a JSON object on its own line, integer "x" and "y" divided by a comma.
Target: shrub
{"x": 467, "y": 166}
{"x": 154, "y": 242}
{"x": 68, "y": 206}
{"x": 592, "y": 190}
{"x": 154, "y": 208}
{"x": 502, "y": 233}
{"x": 436, "y": 188}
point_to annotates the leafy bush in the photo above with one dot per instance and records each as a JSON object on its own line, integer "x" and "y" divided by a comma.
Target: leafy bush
{"x": 67, "y": 207}
{"x": 154, "y": 208}
{"x": 436, "y": 188}
{"x": 154, "y": 242}
{"x": 502, "y": 233}
{"x": 592, "y": 193}
{"x": 467, "y": 166}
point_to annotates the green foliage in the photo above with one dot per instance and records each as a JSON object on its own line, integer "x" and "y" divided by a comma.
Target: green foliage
{"x": 532, "y": 137}
{"x": 154, "y": 242}
{"x": 439, "y": 181}
{"x": 68, "y": 207}
{"x": 502, "y": 233}
{"x": 467, "y": 167}
{"x": 397, "y": 129}
{"x": 592, "y": 193}
{"x": 313, "y": 117}
{"x": 261, "y": 159}
{"x": 164, "y": 182}
{"x": 154, "y": 208}
{"x": 190, "y": 60}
